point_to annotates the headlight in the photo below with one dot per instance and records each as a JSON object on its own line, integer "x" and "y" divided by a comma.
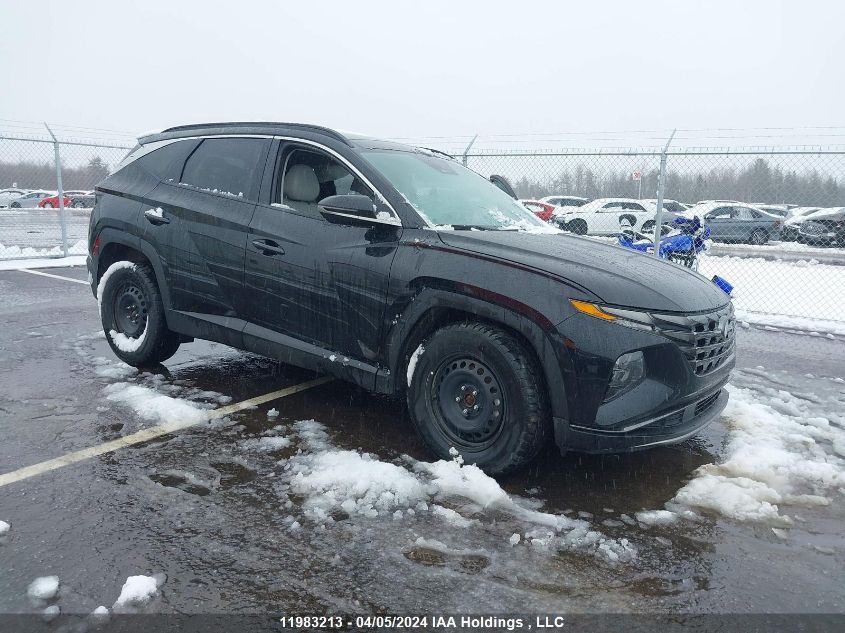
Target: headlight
{"x": 628, "y": 372}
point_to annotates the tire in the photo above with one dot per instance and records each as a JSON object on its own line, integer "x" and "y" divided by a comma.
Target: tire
{"x": 480, "y": 369}
{"x": 758, "y": 237}
{"x": 15, "y": 205}
{"x": 131, "y": 305}
{"x": 647, "y": 227}
{"x": 48, "y": 205}
{"x": 579, "y": 227}
{"x": 77, "y": 205}
{"x": 632, "y": 220}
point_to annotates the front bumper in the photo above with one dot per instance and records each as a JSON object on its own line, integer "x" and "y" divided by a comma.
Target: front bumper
{"x": 669, "y": 428}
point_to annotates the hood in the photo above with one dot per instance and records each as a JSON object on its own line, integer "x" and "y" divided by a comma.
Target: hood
{"x": 616, "y": 275}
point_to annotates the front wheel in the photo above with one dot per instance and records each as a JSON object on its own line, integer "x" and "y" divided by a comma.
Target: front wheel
{"x": 132, "y": 313}
{"x": 48, "y": 205}
{"x": 579, "y": 227}
{"x": 759, "y": 237}
{"x": 476, "y": 389}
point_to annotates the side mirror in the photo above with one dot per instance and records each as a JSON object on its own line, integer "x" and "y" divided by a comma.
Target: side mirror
{"x": 354, "y": 208}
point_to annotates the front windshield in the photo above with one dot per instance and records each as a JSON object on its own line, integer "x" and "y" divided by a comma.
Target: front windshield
{"x": 448, "y": 195}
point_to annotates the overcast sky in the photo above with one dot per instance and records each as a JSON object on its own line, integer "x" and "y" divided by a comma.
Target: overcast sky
{"x": 422, "y": 69}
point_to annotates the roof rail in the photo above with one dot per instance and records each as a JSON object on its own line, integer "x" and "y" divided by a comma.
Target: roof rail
{"x": 253, "y": 124}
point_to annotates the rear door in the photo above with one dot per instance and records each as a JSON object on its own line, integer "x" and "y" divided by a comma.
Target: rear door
{"x": 199, "y": 217}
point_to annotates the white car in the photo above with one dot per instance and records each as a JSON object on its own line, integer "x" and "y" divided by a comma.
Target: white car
{"x": 7, "y": 195}
{"x": 30, "y": 200}
{"x": 565, "y": 201}
{"x": 605, "y": 215}
{"x": 792, "y": 226}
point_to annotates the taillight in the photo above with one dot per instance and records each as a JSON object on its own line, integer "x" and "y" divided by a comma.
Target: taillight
{"x": 95, "y": 247}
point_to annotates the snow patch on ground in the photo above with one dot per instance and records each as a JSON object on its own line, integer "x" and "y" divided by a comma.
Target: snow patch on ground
{"x": 137, "y": 590}
{"x": 4, "y": 528}
{"x": 776, "y": 455}
{"x": 793, "y": 323}
{"x": 656, "y": 517}
{"x": 359, "y": 484}
{"x": 154, "y": 406}
{"x": 43, "y": 588}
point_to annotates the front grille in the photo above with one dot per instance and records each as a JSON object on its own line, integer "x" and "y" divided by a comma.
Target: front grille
{"x": 707, "y": 340}
{"x": 810, "y": 227}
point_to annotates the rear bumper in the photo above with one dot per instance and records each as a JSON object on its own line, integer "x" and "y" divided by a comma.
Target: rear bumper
{"x": 670, "y": 428}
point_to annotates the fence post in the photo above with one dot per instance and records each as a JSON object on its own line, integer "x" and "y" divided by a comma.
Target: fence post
{"x": 661, "y": 186}
{"x": 61, "y": 191}
{"x": 466, "y": 151}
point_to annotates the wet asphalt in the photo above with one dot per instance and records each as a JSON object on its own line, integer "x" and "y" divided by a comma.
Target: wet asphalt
{"x": 205, "y": 514}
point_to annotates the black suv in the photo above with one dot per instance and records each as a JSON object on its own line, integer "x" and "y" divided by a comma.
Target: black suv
{"x": 402, "y": 271}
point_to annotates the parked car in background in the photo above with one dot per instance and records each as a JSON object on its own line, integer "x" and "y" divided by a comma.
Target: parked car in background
{"x": 673, "y": 206}
{"x": 84, "y": 200}
{"x": 604, "y": 216}
{"x": 825, "y": 227}
{"x": 792, "y": 225}
{"x": 566, "y": 201}
{"x": 738, "y": 222}
{"x": 7, "y": 195}
{"x": 779, "y": 210}
{"x": 31, "y": 199}
{"x": 52, "y": 202}
{"x": 542, "y": 210}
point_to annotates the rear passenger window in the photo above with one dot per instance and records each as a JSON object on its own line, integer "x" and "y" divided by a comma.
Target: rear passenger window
{"x": 167, "y": 162}
{"x": 228, "y": 166}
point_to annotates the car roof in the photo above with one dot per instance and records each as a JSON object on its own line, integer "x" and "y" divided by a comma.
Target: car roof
{"x": 603, "y": 200}
{"x": 274, "y": 128}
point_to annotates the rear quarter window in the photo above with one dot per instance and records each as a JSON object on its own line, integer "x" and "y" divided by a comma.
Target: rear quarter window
{"x": 166, "y": 162}
{"x": 227, "y": 166}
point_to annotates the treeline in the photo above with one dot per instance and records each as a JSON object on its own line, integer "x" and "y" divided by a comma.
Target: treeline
{"x": 31, "y": 175}
{"x": 758, "y": 182}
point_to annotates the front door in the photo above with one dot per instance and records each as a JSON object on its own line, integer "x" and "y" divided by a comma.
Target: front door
{"x": 317, "y": 281}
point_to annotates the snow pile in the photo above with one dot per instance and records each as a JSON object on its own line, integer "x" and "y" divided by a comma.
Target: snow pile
{"x": 785, "y": 322}
{"x": 4, "y": 528}
{"x": 355, "y": 482}
{"x": 778, "y": 287}
{"x": 43, "y": 588}
{"x": 50, "y": 613}
{"x": 17, "y": 252}
{"x": 331, "y": 480}
{"x": 154, "y": 406}
{"x": 136, "y": 591}
{"x": 775, "y": 455}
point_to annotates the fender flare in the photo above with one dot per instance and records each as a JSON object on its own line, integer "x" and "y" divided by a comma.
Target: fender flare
{"x": 540, "y": 334}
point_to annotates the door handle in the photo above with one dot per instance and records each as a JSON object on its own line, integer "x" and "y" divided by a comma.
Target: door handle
{"x": 156, "y": 216}
{"x": 268, "y": 247}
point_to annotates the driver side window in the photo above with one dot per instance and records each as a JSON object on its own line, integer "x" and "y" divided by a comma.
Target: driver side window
{"x": 308, "y": 176}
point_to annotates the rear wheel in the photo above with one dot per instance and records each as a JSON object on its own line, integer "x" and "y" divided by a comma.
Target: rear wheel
{"x": 48, "y": 205}
{"x": 648, "y": 227}
{"x": 759, "y": 237}
{"x": 132, "y": 314}
{"x": 477, "y": 389}
{"x": 579, "y": 227}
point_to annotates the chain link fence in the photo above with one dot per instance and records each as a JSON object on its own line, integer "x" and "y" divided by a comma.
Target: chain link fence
{"x": 776, "y": 216}
{"x": 34, "y": 220}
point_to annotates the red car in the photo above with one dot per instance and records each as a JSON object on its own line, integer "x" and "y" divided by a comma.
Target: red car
{"x": 542, "y": 210}
{"x": 53, "y": 202}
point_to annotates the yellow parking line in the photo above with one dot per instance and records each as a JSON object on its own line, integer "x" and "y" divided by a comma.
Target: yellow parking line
{"x": 151, "y": 433}
{"x": 38, "y": 272}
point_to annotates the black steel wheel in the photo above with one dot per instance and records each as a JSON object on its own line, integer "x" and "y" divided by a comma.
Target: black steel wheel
{"x": 131, "y": 306}
{"x": 476, "y": 389}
